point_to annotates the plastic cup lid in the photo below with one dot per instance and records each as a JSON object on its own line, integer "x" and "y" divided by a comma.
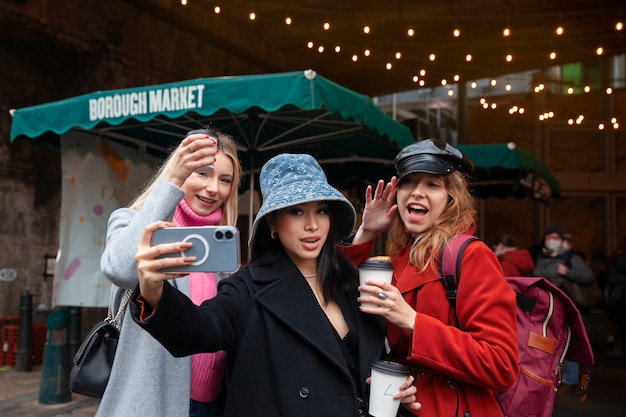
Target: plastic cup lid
{"x": 376, "y": 264}
{"x": 391, "y": 367}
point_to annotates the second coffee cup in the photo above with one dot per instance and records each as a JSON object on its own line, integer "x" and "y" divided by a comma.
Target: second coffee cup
{"x": 387, "y": 377}
{"x": 375, "y": 270}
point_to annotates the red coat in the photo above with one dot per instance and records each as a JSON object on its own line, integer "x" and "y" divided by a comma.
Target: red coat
{"x": 517, "y": 263}
{"x": 457, "y": 368}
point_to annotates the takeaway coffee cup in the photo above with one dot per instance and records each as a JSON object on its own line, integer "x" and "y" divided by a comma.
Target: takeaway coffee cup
{"x": 213, "y": 136}
{"x": 375, "y": 270}
{"x": 385, "y": 383}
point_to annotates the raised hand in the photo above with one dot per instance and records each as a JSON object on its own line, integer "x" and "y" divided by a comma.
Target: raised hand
{"x": 378, "y": 212}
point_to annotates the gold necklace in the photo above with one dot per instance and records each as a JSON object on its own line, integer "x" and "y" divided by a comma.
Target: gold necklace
{"x": 311, "y": 275}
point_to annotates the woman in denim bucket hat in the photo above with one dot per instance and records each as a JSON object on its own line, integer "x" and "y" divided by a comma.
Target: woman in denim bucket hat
{"x": 296, "y": 342}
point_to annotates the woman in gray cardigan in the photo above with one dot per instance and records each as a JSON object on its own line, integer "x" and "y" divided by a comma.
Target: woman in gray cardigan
{"x": 146, "y": 380}
{"x": 297, "y": 343}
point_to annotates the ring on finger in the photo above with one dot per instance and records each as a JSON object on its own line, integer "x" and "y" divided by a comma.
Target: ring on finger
{"x": 381, "y": 295}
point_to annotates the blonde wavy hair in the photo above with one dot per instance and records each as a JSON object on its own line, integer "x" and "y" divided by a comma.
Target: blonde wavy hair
{"x": 227, "y": 146}
{"x": 458, "y": 217}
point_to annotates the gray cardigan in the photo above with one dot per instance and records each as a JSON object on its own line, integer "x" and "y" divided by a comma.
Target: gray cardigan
{"x": 146, "y": 380}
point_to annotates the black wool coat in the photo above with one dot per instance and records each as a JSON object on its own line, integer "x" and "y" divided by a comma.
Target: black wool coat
{"x": 283, "y": 359}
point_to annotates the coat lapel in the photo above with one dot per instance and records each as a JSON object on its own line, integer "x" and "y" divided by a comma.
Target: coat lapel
{"x": 290, "y": 300}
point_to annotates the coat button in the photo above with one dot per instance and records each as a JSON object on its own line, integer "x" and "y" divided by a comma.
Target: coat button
{"x": 304, "y": 392}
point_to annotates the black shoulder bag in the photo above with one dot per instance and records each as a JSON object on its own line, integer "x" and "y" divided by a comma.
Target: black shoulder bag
{"x": 93, "y": 360}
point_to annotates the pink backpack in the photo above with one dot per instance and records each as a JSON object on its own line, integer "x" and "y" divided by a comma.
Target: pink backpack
{"x": 550, "y": 330}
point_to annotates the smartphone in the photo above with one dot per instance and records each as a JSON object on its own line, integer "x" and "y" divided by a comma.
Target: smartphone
{"x": 216, "y": 248}
{"x": 213, "y": 136}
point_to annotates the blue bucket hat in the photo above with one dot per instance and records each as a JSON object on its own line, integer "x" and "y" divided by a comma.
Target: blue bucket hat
{"x": 290, "y": 179}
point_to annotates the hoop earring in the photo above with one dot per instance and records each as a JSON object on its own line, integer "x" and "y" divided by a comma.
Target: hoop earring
{"x": 273, "y": 234}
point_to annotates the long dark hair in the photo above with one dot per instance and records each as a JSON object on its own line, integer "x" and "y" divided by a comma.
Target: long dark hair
{"x": 335, "y": 273}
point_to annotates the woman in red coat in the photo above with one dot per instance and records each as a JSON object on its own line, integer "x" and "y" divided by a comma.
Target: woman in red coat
{"x": 457, "y": 367}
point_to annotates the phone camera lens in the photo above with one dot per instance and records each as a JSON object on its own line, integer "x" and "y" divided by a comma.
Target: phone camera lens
{"x": 219, "y": 234}
{"x": 229, "y": 234}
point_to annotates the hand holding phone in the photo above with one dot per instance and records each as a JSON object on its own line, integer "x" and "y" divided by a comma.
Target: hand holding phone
{"x": 216, "y": 248}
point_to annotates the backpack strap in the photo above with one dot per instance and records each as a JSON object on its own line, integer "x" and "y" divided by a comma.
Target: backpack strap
{"x": 450, "y": 263}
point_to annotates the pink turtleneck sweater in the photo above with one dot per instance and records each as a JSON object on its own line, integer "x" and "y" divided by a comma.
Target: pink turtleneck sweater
{"x": 206, "y": 368}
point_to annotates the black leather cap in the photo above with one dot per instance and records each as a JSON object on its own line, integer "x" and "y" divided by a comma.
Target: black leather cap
{"x": 431, "y": 156}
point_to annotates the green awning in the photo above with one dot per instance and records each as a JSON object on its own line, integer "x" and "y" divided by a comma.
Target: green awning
{"x": 267, "y": 114}
{"x": 505, "y": 170}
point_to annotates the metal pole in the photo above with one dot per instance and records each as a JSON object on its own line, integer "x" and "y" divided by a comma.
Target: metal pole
{"x": 24, "y": 353}
{"x": 74, "y": 333}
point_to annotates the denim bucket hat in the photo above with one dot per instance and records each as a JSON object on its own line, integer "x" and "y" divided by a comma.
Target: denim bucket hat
{"x": 290, "y": 179}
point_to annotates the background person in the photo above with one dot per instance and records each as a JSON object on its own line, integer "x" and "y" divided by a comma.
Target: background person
{"x": 557, "y": 264}
{"x": 296, "y": 342}
{"x": 515, "y": 261}
{"x": 459, "y": 366}
{"x": 146, "y": 380}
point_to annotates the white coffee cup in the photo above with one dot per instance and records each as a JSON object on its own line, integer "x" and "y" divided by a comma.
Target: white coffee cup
{"x": 375, "y": 270}
{"x": 385, "y": 383}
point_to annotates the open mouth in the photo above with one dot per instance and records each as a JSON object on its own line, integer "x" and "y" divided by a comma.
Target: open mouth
{"x": 417, "y": 209}
{"x": 206, "y": 200}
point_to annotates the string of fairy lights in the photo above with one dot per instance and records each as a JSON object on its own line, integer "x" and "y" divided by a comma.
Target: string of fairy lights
{"x": 419, "y": 78}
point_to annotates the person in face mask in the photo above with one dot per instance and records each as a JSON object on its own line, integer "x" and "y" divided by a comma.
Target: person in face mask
{"x": 557, "y": 264}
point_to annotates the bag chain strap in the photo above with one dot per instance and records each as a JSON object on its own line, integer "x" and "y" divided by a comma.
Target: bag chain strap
{"x": 115, "y": 321}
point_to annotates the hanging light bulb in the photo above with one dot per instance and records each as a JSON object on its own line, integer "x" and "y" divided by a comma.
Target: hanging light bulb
{"x": 410, "y": 32}
{"x": 506, "y": 32}
{"x": 287, "y": 20}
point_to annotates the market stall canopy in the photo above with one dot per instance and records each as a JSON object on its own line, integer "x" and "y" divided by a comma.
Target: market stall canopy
{"x": 505, "y": 170}
{"x": 267, "y": 114}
